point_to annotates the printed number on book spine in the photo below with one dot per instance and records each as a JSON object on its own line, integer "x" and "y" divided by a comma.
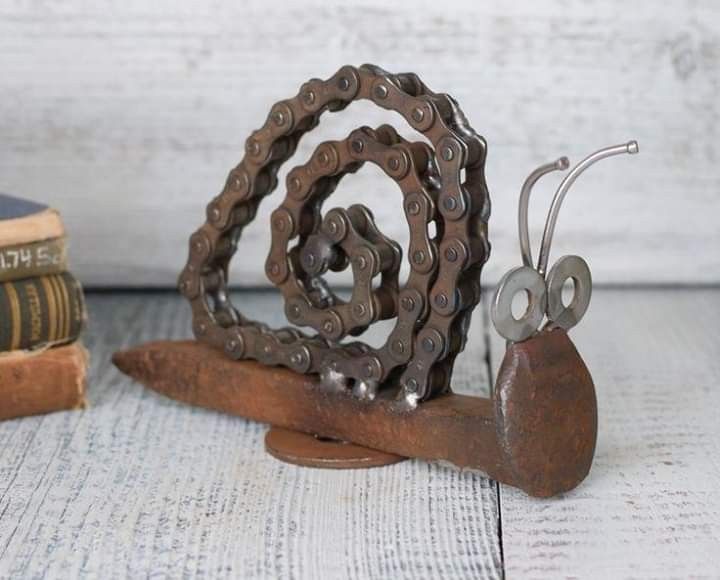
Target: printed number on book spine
{"x": 36, "y": 259}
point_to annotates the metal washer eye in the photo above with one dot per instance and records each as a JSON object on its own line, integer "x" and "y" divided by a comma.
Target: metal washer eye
{"x": 575, "y": 268}
{"x": 517, "y": 280}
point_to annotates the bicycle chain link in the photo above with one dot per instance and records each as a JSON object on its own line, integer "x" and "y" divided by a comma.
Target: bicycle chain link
{"x": 433, "y": 308}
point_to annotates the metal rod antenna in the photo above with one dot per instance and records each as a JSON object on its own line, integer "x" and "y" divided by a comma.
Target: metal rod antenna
{"x": 630, "y": 147}
{"x": 560, "y": 164}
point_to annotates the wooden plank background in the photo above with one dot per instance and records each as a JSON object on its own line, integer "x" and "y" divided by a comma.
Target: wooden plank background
{"x": 128, "y": 115}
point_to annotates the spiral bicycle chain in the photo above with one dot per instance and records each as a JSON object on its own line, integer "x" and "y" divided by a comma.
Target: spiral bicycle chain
{"x": 433, "y": 309}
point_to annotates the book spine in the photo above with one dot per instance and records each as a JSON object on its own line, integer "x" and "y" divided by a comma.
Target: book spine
{"x": 45, "y": 310}
{"x": 30, "y": 260}
{"x": 35, "y": 383}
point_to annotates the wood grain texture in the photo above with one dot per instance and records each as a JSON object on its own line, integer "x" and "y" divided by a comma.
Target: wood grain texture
{"x": 650, "y": 506}
{"x": 139, "y": 486}
{"x": 128, "y": 115}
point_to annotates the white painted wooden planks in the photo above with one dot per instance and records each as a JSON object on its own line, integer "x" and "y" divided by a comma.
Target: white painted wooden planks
{"x": 140, "y": 486}
{"x": 128, "y": 115}
{"x": 650, "y": 507}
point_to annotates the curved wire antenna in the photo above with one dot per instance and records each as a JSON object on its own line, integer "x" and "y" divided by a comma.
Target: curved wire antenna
{"x": 630, "y": 147}
{"x": 560, "y": 164}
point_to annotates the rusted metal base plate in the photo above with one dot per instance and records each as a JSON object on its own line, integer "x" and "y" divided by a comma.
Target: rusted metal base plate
{"x": 313, "y": 451}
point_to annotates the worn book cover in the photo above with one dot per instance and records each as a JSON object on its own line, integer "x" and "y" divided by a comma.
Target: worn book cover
{"x": 40, "y": 311}
{"x": 23, "y": 221}
{"x": 42, "y": 381}
{"x": 33, "y": 259}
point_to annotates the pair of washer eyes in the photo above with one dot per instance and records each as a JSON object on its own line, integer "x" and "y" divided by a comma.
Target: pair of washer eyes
{"x": 545, "y": 292}
{"x": 544, "y": 297}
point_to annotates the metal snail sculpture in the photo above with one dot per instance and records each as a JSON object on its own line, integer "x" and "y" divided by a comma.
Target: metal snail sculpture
{"x": 538, "y": 429}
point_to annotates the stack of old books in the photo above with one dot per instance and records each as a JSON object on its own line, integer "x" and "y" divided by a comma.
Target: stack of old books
{"x": 42, "y": 312}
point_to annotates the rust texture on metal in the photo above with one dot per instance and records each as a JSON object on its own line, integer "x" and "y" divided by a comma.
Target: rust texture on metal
{"x": 442, "y": 183}
{"x": 546, "y": 412}
{"x": 537, "y": 433}
{"x": 314, "y": 451}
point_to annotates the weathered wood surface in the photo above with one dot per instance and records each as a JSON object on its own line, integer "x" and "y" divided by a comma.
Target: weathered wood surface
{"x": 139, "y": 485}
{"x": 130, "y": 114}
